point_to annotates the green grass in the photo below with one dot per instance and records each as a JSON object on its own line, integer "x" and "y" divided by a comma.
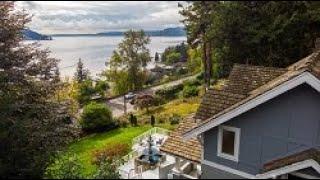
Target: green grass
{"x": 85, "y": 147}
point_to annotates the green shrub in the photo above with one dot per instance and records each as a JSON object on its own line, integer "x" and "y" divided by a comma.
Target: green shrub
{"x": 173, "y": 57}
{"x": 114, "y": 151}
{"x": 169, "y": 93}
{"x": 101, "y": 87}
{"x": 65, "y": 167}
{"x": 122, "y": 122}
{"x": 161, "y": 120}
{"x": 96, "y": 117}
{"x": 133, "y": 120}
{"x": 200, "y": 77}
{"x": 181, "y": 71}
{"x": 86, "y": 91}
{"x": 158, "y": 101}
{"x": 108, "y": 169}
{"x": 175, "y": 119}
{"x": 152, "y": 120}
{"x": 190, "y": 91}
{"x": 194, "y": 82}
{"x": 70, "y": 167}
{"x": 152, "y": 79}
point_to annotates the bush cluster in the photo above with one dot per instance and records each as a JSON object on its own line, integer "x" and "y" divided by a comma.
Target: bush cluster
{"x": 190, "y": 91}
{"x": 133, "y": 120}
{"x": 115, "y": 151}
{"x": 175, "y": 119}
{"x": 170, "y": 93}
{"x": 96, "y": 117}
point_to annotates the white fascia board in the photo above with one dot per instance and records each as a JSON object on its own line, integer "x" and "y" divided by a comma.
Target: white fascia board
{"x": 305, "y": 77}
{"x": 270, "y": 174}
{"x": 290, "y": 168}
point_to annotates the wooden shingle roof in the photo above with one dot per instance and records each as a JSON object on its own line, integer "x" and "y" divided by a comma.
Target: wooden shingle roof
{"x": 214, "y": 101}
{"x": 309, "y": 64}
{"x": 245, "y": 83}
{"x": 242, "y": 80}
{"x": 245, "y": 78}
{"x": 176, "y": 146}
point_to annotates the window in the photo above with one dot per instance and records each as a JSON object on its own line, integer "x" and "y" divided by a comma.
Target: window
{"x": 228, "y": 143}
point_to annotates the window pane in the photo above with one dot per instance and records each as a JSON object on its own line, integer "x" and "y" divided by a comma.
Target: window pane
{"x": 228, "y": 140}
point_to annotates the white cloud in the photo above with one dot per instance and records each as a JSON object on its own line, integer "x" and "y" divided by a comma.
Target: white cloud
{"x": 90, "y": 17}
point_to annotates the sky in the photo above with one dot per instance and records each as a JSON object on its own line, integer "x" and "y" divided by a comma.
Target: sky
{"x": 68, "y": 17}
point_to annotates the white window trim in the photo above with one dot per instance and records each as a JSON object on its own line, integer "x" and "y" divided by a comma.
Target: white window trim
{"x": 237, "y": 132}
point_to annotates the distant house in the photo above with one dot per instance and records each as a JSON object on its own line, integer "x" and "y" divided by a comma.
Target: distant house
{"x": 265, "y": 123}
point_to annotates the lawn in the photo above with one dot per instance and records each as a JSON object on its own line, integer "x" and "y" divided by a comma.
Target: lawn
{"x": 85, "y": 147}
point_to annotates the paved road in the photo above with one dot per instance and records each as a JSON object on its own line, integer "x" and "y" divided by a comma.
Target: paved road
{"x": 116, "y": 105}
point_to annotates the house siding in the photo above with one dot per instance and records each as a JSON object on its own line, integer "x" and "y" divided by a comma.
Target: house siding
{"x": 213, "y": 173}
{"x": 287, "y": 124}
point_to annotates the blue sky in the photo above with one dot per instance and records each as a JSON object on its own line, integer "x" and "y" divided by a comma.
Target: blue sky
{"x": 52, "y": 17}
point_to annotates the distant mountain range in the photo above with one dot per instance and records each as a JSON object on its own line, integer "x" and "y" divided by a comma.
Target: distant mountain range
{"x": 32, "y": 35}
{"x": 177, "y": 31}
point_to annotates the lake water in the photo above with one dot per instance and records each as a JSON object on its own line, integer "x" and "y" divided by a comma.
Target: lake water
{"x": 95, "y": 51}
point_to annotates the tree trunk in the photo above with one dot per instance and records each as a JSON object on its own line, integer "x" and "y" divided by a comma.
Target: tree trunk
{"x": 204, "y": 61}
{"x": 209, "y": 64}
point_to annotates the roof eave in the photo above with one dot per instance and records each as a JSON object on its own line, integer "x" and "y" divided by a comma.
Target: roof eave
{"x": 290, "y": 168}
{"x": 304, "y": 77}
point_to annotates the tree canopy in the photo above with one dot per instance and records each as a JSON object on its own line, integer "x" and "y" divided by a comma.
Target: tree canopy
{"x": 126, "y": 66}
{"x": 253, "y": 32}
{"x": 81, "y": 74}
{"x": 174, "y": 54}
{"x": 33, "y": 125}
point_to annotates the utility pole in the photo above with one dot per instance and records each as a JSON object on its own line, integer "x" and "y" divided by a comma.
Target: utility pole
{"x": 125, "y": 104}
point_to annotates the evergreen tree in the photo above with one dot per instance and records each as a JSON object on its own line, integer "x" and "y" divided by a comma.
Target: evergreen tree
{"x": 152, "y": 120}
{"x": 252, "y": 32}
{"x": 197, "y": 24}
{"x": 32, "y": 126}
{"x": 81, "y": 74}
{"x": 156, "y": 57}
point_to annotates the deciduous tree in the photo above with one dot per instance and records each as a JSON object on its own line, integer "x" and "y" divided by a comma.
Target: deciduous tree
{"x": 33, "y": 125}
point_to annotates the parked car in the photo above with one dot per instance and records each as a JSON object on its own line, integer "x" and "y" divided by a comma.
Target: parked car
{"x": 130, "y": 96}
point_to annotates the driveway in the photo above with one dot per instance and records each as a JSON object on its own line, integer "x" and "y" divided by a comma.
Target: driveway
{"x": 116, "y": 104}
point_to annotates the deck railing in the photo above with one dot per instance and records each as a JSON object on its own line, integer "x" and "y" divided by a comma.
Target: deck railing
{"x": 129, "y": 156}
{"x": 152, "y": 131}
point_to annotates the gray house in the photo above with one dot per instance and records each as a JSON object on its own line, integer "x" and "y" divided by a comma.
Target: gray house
{"x": 265, "y": 123}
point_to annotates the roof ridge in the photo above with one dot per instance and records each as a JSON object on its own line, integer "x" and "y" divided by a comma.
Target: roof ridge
{"x": 309, "y": 64}
{"x": 225, "y": 91}
{"x": 276, "y": 81}
{"x": 306, "y": 63}
{"x": 257, "y": 66}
